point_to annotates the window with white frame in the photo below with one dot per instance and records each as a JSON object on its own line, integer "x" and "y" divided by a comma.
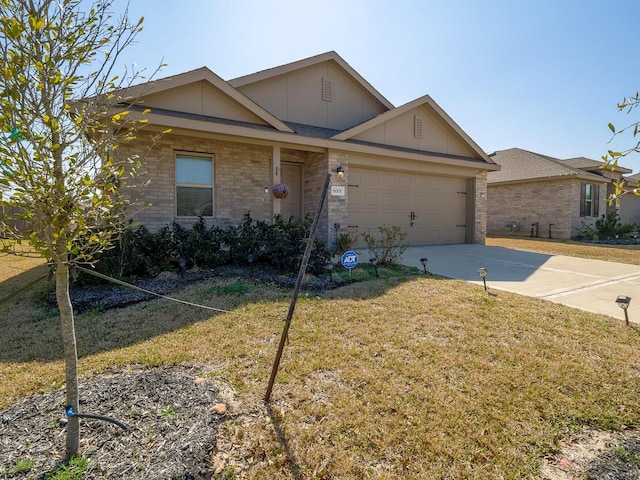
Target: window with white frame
{"x": 194, "y": 185}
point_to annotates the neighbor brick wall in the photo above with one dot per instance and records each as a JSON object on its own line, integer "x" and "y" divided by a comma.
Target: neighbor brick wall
{"x": 556, "y": 202}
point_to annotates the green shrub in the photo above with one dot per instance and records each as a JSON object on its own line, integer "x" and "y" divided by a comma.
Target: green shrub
{"x": 345, "y": 241}
{"x": 286, "y": 242}
{"x": 387, "y": 247}
{"x": 607, "y": 227}
{"x": 279, "y": 246}
{"x": 246, "y": 239}
{"x": 587, "y": 232}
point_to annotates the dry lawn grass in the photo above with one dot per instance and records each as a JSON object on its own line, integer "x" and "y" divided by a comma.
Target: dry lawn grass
{"x": 410, "y": 378}
{"x": 618, "y": 253}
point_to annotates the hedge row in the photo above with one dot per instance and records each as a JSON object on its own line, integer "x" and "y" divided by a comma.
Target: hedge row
{"x": 279, "y": 246}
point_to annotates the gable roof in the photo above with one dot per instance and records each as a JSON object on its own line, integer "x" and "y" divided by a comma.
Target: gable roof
{"x": 307, "y": 62}
{"x": 519, "y": 166}
{"x": 425, "y": 100}
{"x": 206, "y": 75}
{"x": 590, "y": 165}
{"x": 178, "y": 102}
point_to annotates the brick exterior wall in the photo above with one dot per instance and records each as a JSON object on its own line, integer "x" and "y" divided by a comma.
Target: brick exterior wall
{"x": 241, "y": 172}
{"x": 479, "y": 208}
{"x": 554, "y": 202}
{"x": 338, "y": 205}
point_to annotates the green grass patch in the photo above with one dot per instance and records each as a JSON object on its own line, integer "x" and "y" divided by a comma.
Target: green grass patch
{"x": 22, "y": 465}
{"x": 74, "y": 470}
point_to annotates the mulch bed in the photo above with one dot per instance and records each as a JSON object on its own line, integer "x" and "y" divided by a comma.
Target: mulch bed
{"x": 172, "y": 417}
{"x": 110, "y": 295}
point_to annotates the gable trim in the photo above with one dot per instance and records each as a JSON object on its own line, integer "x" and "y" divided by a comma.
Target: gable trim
{"x": 424, "y": 100}
{"x": 308, "y": 62}
{"x": 202, "y": 74}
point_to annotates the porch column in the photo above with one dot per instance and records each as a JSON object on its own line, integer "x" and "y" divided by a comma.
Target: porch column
{"x": 277, "y": 175}
{"x": 338, "y": 206}
{"x": 479, "y": 208}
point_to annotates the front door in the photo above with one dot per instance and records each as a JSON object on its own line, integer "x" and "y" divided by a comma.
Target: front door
{"x": 292, "y": 176}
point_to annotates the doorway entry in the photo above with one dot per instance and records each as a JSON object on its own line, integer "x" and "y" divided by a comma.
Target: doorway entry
{"x": 291, "y": 175}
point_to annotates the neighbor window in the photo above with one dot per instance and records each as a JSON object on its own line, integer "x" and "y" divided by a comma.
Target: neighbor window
{"x": 589, "y": 198}
{"x": 194, "y": 185}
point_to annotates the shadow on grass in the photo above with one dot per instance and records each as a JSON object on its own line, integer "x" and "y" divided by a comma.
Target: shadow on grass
{"x": 31, "y": 327}
{"x": 293, "y": 464}
{"x": 18, "y": 284}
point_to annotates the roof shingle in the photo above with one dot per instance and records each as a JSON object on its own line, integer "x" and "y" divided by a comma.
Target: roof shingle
{"x": 522, "y": 166}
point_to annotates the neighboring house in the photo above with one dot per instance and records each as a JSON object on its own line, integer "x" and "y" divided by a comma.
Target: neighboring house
{"x": 629, "y": 209}
{"x": 231, "y": 141}
{"x": 538, "y": 194}
{"x": 599, "y": 168}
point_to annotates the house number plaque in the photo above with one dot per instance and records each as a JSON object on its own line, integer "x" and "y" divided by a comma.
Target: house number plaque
{"x": 337, "y": 191}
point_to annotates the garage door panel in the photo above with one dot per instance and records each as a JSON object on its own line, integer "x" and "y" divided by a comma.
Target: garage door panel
{"x": 378, "y": 198}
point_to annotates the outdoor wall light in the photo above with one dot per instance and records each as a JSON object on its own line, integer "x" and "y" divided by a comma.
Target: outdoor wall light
{"x": 424, "y": 261}
{"x": 483, "y": 274}
{"x": 340, "y": 171}
{"x": 623, "y": 302}
{"x": 266, "y": 189}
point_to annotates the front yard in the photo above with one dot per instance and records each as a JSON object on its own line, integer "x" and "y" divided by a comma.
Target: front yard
{"x": 409, "y": 377}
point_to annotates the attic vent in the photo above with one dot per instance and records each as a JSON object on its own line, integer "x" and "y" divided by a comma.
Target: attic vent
{"x": 327, "y": 94}
{"x": 417, "y": 126}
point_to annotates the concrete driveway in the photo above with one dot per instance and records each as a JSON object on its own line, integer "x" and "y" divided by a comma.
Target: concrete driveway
{"x": 591, "y": 285}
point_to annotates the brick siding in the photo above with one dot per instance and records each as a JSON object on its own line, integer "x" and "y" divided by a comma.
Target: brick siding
{"x": 241, "y": 172}
{"x": 549, "y": 202}
{"x": 480, "y": 207}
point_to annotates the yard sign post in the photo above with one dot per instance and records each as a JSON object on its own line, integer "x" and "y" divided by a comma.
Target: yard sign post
{"x": 296, "y": 291}
{"x": 349, "y": 260}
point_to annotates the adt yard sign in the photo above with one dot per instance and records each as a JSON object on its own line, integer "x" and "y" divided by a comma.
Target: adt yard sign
{"x": 349, "y": 259}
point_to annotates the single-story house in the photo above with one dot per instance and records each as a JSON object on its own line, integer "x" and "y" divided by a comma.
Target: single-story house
{"x": 629, "y": 209}
{"x": 534, "y": 194}
{"x": 615, "y": 175}
{"x": 232, "y": 141}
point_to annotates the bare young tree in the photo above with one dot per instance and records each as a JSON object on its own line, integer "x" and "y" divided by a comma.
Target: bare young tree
{"x": 62, "y": 125}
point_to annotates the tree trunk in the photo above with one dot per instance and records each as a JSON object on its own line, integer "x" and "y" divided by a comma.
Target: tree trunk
{"x": 70, "y": 353}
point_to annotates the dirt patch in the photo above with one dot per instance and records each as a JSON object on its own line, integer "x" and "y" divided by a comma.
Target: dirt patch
{"x": 596, "y": 454}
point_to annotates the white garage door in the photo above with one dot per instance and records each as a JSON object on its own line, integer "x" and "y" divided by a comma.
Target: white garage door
{"x": 432, "y": 210}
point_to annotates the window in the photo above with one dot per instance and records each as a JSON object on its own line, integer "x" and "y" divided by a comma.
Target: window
{"x": 589, "y": 198}
{"x": 194, "y": 185}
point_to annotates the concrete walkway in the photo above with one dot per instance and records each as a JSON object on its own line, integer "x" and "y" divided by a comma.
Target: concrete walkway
{"x": 591, "y": 285}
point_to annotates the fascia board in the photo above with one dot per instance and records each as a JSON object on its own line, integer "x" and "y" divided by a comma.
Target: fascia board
{"x": 593, "y": 178}
{"x": 137, "y": 93}
{"x": 247, "y": 134}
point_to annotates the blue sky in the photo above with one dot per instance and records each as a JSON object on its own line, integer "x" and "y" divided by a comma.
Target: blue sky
{"x": 542, "y": 75}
